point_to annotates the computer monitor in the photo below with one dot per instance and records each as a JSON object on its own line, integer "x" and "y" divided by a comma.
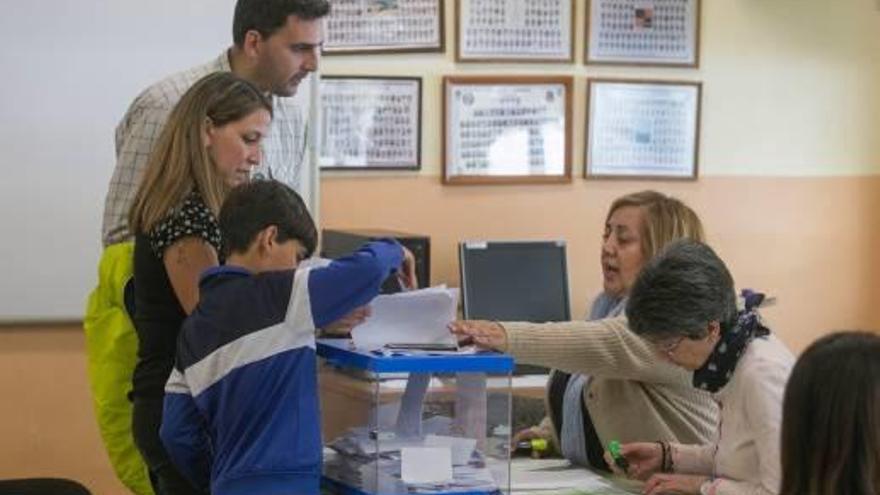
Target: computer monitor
{"x": 514, "y": 281}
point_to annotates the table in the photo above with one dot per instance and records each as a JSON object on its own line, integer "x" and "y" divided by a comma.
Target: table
{"x": 559, "y": 477}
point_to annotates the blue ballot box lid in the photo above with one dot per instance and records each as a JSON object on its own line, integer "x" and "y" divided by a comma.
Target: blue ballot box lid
{"x": 341, "y": 353}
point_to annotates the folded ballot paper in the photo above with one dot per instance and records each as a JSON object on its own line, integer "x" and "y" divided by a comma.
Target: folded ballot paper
{"x": 411, "y": 317}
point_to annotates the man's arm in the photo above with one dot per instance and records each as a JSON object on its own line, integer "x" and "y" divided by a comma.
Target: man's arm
{"x": 136, "y": 137}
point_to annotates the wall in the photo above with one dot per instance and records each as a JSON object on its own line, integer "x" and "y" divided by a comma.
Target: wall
{"x": 70, "y": 69}
{"x": 47, "y": 428}
{"x": 789, "y": 162}
{"x": 810, "y": 242}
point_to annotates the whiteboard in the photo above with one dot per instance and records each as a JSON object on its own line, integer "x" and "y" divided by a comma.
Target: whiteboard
{"x": 70, "y": 69}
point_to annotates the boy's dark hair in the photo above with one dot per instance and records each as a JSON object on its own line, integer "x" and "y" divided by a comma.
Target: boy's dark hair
{"x": 267, "y": 16}
{"x": 251, "y": 207}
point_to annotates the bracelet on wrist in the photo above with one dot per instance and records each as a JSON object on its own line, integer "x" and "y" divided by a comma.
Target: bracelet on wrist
{"x": 662, "y": 456}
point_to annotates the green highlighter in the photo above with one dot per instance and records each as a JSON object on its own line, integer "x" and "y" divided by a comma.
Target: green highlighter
{"x": 619, "y": 460}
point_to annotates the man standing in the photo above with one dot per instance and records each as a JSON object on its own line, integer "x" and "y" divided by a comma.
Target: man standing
{"x": 277, "y": 44}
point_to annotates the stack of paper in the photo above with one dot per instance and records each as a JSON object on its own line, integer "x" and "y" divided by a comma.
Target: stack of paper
{"x": 407, "y": 465}
{"x": 413, "y": 317}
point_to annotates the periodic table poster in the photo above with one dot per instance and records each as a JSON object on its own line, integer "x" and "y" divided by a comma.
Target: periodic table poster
{"x": 370, "y": 123}
{"x": 384, "y": 26}
{"x": 508, "y": 129}
{"x": 515, "y": 30}
{"x": 645, "y": 32}
{"x": 642, "y": 129}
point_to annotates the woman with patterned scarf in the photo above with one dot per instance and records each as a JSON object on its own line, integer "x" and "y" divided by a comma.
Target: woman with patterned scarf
{"x": 684, "y": 304}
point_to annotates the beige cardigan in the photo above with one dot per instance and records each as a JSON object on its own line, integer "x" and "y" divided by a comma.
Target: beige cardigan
{"x": 633, "y": 395}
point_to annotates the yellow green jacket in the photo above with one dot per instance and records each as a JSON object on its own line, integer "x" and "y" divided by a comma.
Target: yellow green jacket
{"x": 111, "y": 346}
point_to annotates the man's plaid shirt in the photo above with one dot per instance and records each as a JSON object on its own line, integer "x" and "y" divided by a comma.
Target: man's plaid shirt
{"x": 138, "y": 132}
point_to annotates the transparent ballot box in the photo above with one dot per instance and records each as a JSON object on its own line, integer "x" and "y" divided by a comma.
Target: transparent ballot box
{"x": 411, "y": 422}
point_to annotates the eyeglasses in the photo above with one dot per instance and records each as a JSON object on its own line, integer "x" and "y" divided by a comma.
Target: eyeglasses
{"x": 668, "y": 347}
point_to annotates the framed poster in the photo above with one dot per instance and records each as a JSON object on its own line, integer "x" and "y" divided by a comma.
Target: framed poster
{"x": 642, "y": 129}
{"x": 514, "y": 30}
{"x": 643, "y": 32}
{"x": 506, "y": 129}
{"x": 370, "y": 123}
{"x": 383, "y": 26}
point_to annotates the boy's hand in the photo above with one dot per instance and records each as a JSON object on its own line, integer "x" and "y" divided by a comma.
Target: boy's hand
{"x": 486, "y": 334}
{"x": 342, "y": 327}
{"x": 407, "y": 272}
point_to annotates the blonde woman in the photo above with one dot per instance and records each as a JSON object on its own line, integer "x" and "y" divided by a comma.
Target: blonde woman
{"x": 614, "y": 387}
{"x": 208, "y": 146}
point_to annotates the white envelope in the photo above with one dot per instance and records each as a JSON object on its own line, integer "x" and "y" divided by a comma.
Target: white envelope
{"x": 425, "y": 464}
{"x": 462, "y": 448}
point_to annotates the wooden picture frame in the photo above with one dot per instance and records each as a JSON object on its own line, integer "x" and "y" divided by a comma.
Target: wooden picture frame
{"x": 642, "y": 129}
{"x": 507, "y": 129}
{"x": 376, "y": 29}
{"x": 370, "y": 123}
{"x": 511, "y": 28}
{"x": 664, "y": 33}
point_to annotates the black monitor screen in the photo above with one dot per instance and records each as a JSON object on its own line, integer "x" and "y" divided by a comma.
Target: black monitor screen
{"x": 514, "y": 281}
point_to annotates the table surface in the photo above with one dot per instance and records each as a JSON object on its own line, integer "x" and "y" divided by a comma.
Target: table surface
{"x": 559, "y": 477}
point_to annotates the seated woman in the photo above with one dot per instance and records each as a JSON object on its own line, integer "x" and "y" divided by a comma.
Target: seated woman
{"x": 684, "y": 303}
{"x": 831, "y": 418}
{"x": 620, "y": 389}
{"x": 637, "y": 227}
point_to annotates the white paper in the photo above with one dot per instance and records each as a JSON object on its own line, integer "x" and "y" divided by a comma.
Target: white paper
{"x": 409, "y": 417}
{"x": 471, "y": 403}
{"x": 426, "y": 464}
{"x": 413, "y": 317}
{"x": 462, "y": 448}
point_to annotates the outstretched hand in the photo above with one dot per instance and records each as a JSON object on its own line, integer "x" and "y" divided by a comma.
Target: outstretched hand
{"x": 485, "y": 334}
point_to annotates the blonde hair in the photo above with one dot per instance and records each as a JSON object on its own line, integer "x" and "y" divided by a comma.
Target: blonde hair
{"x": 666, "y": 219}
{"x": 180, "y": 162}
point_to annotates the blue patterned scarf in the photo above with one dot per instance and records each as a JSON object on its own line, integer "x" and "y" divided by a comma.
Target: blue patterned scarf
{"x": 718, "y": 369}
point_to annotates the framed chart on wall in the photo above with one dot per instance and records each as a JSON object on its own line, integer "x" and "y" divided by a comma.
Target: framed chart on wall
{"x": 642, "y": 129}
{"x": 506, "y": 129}
{"x": 514, "y": 30}
{"x": 643, "y": 32}
{"x": 370, "y": 123}
{"x": 384, "y": 26}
